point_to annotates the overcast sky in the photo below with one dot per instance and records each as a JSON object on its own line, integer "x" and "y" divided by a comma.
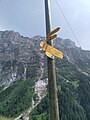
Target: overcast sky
{"x": 27, "y": 18}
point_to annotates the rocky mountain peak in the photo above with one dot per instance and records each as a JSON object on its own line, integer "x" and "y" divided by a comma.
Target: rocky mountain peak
{"x": 65, "y": 43}
{"x": 18, "y": 53}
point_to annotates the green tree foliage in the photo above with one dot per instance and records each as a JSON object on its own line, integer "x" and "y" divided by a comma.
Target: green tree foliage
{"x": 73, "y": 94}
{"x": 16, "y": 98}
{"x": 3, "y": 118}
{"x": 41, "y": 111}
{"x": 73, "y": 88}
{"x": 69, "y": 106}
{"x": 84, "y": 95}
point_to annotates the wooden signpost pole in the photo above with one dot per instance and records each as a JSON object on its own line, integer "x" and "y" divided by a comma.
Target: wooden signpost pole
{"x": 53, "y": 100}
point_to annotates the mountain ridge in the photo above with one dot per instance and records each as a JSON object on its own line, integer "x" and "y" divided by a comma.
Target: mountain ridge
{"x": 20, "y": 69}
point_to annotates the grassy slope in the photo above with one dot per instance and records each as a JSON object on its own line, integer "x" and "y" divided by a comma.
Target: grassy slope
{"x": 3, "y": 118}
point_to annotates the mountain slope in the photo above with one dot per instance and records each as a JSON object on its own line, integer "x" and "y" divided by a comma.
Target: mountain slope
{"x": 17, "y": 56}
{"x": 73, "y": 80}
{"x": 3, "y": 118}
{"x": 20, "y": 61}
{"x": 73, "y": 94}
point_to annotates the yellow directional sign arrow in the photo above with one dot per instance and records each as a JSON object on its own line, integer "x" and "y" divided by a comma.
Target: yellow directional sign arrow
{"x": 49, "y": 55}
{"x": 54, "y": 31}
{"x": 52, "y": 37}
{"x": 51, "y": 50}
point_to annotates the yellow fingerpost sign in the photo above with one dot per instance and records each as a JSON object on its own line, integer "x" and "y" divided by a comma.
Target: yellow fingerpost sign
{"x": 49, "y": 55}
{"x": 52, "y": 35}
{"x": 51, "y": 50}
{"x": 54, "y": 31}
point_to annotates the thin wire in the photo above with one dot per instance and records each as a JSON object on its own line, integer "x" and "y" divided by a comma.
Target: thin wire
{"x": 68, "y": 22}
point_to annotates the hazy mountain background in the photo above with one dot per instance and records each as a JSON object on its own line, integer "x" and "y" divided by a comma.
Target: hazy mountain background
{"x": 23, "y": 78}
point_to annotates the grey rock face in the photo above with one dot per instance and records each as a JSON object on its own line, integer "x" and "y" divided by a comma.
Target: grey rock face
{"x": 74, "y": 54}
{"x": 17, "y": 54}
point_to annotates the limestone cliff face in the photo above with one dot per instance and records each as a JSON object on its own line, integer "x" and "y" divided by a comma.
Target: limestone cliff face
{"x": 17, "y": 55}
{"x": 78, "y": 56}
